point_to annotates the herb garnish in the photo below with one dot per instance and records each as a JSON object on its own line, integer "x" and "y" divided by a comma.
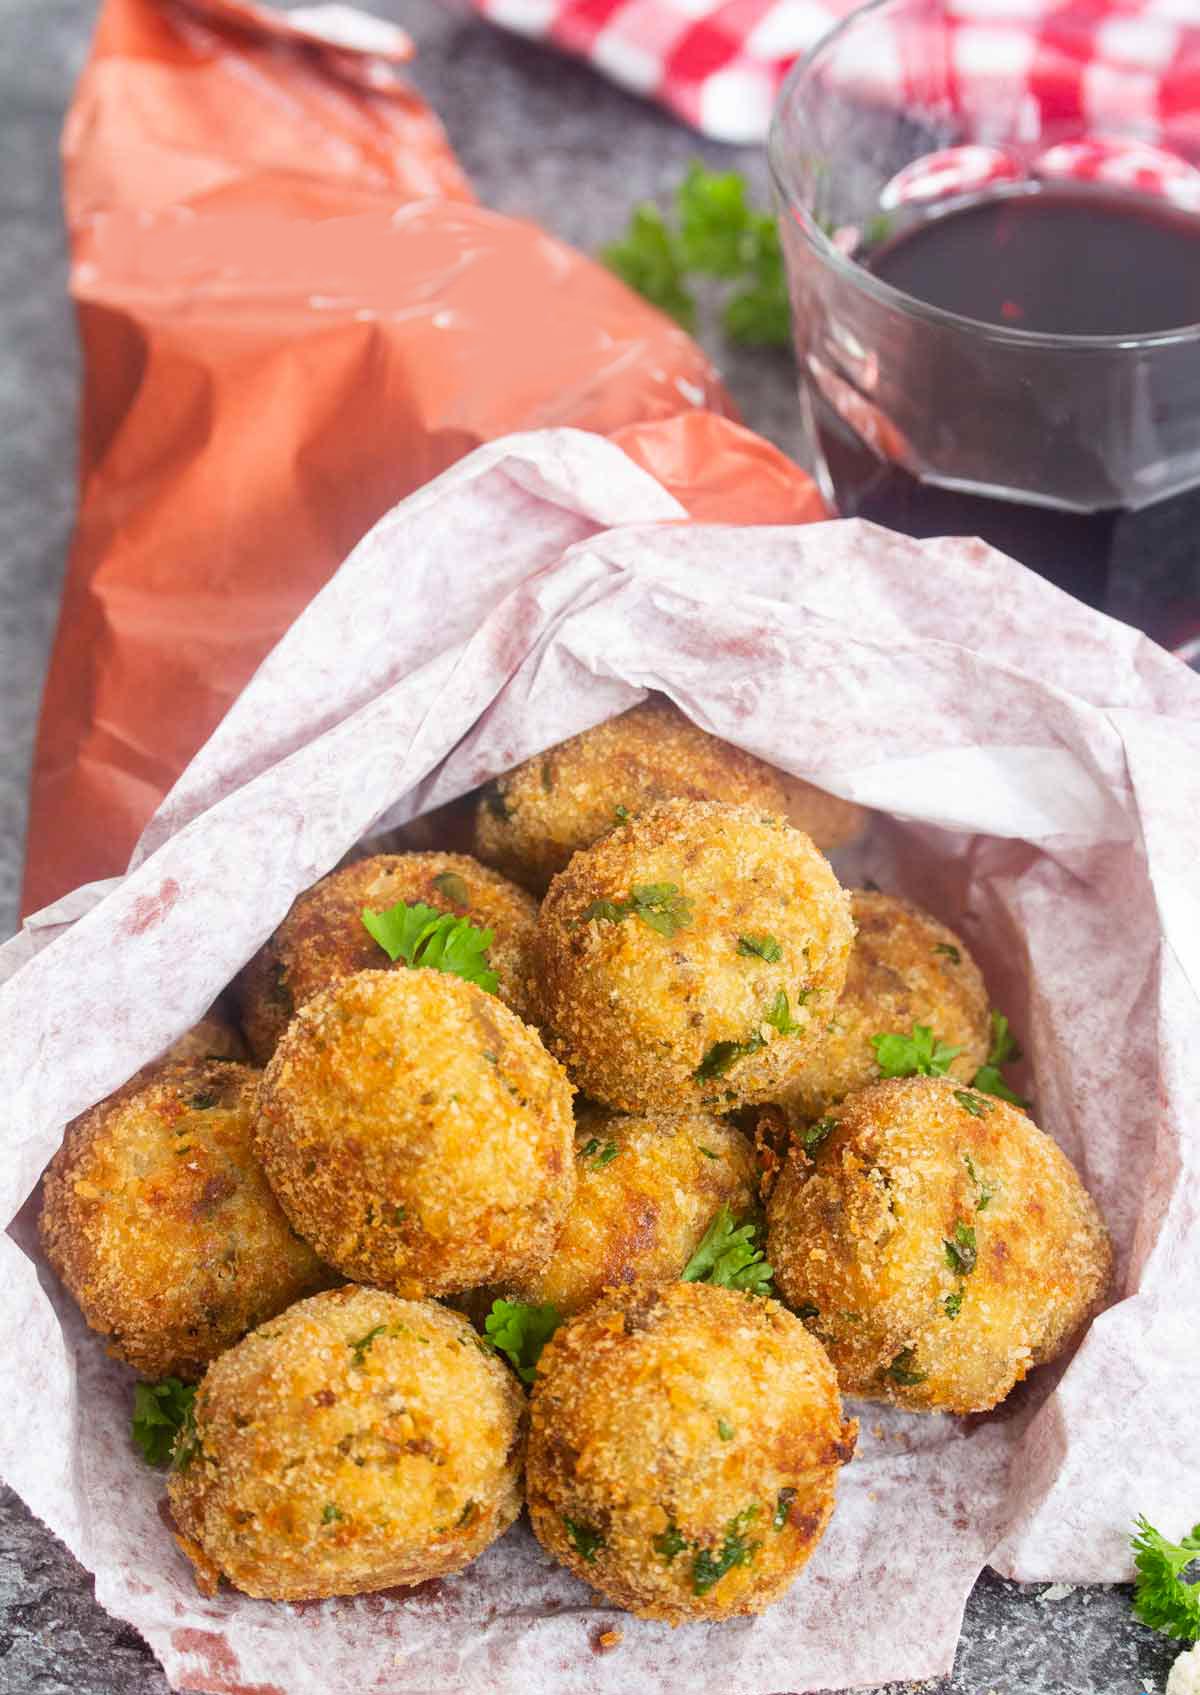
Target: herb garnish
{"x": 762, "y": 947}
{"x": 660, "y": 905}
{"x": 724, "y": 1430}
{"x": 722, "y": 1056}
{"x": 707, "y": 1152}
{"x": 160, "y": 1412}
{"x": 1004, "y": 1048}
{"x": 1163, "y": 1598}
{"x": 986, "y": 1192}
{"x": 950, "y": 951}
{"x": 901, "y": 1369}
{"x": 709, "y": 1568}
{"x": 919, "y": 1055}
{"x": 783, "y": 1508}
{"x": 953, "y": 1303}
{"x": 779, "y": 1017}
{"x": 434, "y": 941}
{"x": 453, "y": 887}
{"x": 520, "y": 1332}
{"x": 362, "y": 1347}
{"x": 716, "y": 233}
{"x": 585, "y": 1541}
{"x": 598, "y": 1157}
{"x": 727, "y": 1256}
{"x": 976, "y": 1105}
{"x": 962, "y": 1252}
{"x": 669, "y": 1542}
{"x": 816, "y": 1133}
{"x": 330, "y": 1514}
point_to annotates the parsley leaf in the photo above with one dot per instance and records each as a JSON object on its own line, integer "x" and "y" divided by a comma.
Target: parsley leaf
{"x": 598, "y": 1157}
{"x": 708, "y": 1568}
{"x": 724, "y": 1430}
{"x": 783, "y": 1508}
{"x": 521, "y": 1332}
{"x": 726, "y": 1255}
{"x": 961, "y": 1253}
{"x": 950, "y": 951}
{"x": 953, "y": 1303}
{"x": 779, "y": 1016}
{"x": 816, "y": 1134}
{"x": 901, "y": 1369}
{"x": 669, "y": 1542}
{"x": 974, "y": 1104}
{"x": 722, "y": 1056}
{"x": 363, "y": 1346}
{"x": 660, "y": 905}
{"x": 1162, "y": 1597}
{"x": 585, "y": 1541}
{"x": 160, "y": 1412}
{"x": 453, "y": 887}
{"x": 764, "y": 947}
{"x": 1005, "y": 1046}
{"x": 919, "y": 1055}
{"x": 986, "y": 1192}
{"x": 716, "y": 233}
{"x": 434, "y": 941}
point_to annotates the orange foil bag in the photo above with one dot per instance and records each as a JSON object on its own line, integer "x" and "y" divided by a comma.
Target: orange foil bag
{"x": 293, "y": 314}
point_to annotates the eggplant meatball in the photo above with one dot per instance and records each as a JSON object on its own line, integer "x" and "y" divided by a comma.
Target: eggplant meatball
{"x": 159, "y": 1219}
{"x": 684, "y": 1448}
{"x": 357, "y": 1442}
{"x": 323, "y": 937}
{"x": 646, "y": 1191}
{"x": 530, "y": 822}
{"x": 905, "y": 969}
{"x": 691, "y": 959}
{"x": 418, "y": 1134}
{"x": 938, "y": 1243}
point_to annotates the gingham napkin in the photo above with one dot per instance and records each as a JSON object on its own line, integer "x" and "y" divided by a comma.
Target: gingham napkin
{"x": 718, "y": 64}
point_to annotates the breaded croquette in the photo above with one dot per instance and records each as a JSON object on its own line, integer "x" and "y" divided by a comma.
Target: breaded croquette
{"x": 532, "y": 820}
{"x": 418, "y": 1134}
{"x": 646, "y": 1191}
{"x": 684, "y": 1447}
{"x": 937, "y": 1242}
{"x": 691, "y": 959}
{"x": 323, "y": 936}
{"x": 159, "y": 1219}
{"x": 356, "y": 1442}
{"x": 905, "y": 969}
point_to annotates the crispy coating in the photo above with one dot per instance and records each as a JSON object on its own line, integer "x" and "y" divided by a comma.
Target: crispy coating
{"x": 214, "y": 1037}
{"x": 648, "y": 1021}
{"x": 530, "y": 822}
{"x": 905, "y": 969}
{"x": 684, "y": 1448}
{"x": 323, "y": 936}
{"x": 357, "y": 1442}
{"x": 418, "y": 1134}
{"x": 646, "y": 1190}
{"x": 938, "y": 1243}
{"x": 158, "y": 1218}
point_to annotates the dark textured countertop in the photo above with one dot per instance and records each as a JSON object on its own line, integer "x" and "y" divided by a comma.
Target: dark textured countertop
{"x": 543, "y": 138}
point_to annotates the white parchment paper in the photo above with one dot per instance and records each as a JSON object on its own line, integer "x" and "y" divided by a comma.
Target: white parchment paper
{"x": 1042, "y": 768}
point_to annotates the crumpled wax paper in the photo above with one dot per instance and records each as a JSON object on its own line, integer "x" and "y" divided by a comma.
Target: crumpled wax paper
{"x": 1041, "y": 766}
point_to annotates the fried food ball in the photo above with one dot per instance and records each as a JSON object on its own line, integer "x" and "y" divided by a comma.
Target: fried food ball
{"x": 530, "y": 822}
{"x": 323, "y": 937}
{"x": 159, "y": 1219}
{"x": 646, "y": 1191}
{"x": 938, "y": 1243}
{"x": 905, "y": 969}
{"x": 214, "y": 1037}
{"x": 691, "y": 958}
{"x": 684, "y": 1448}
{"x": 357, "y": 1442}
{"x": 418, "y": 1134}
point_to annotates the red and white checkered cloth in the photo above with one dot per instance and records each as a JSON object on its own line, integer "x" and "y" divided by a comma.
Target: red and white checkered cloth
{"x": 718, "y": 64}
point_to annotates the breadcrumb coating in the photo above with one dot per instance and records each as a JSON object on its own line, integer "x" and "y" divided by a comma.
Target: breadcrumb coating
{"x": 691, "y": 959}
{"x": 529, "y": 822}
{"x": 323, "y": 936}
{"x": 357, "y": 1442}
{"x": 159, "y": 1219}
{"x": 938, "y": 1243}
{"x": 684, "y": 1447}
{"x": 418, "y": 1134}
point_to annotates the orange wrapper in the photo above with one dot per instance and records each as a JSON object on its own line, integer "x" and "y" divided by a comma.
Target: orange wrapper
{"x": 293, "y": 314}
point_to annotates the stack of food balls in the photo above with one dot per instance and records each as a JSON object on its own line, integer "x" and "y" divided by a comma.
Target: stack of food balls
{"x": 473, "y": 1144}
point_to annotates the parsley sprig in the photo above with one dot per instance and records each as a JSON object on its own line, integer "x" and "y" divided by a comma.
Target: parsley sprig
{"x": 920, "y": 1055}
{"x": 160, "y": 1412}
{"x": 1163, "y": 1598}
{"x": 660, "y": 905}
{"x": 727, "y": 1256}
{"x": 521, "y": 1331}
{"x": 436, "y": 941}
{"x": 715, "y": 232}
{"x": 1004, "y": 1048}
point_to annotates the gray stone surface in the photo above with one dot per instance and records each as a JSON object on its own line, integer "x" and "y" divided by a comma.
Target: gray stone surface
{"x": 544, "y": 138}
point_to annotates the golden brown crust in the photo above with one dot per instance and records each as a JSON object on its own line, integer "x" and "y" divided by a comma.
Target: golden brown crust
{"x": 323, "y": 936}
{"x": 158, "y": 1218}
{"x": 905, "y": 968}
{"x": 529, "y": 822}
{"x": 417, "y": 1133}
{"x": 357, "y": 1442}
{"x": 673, "y": 1423}
{"x": 646, "y": 1191}
{"x": 654, "y": 1022}
{"x": 938, "y": 1243}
